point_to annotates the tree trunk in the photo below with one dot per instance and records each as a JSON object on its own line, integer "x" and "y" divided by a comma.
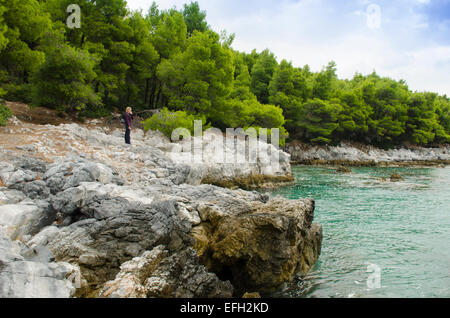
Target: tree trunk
{"x": 146, "y": 90}
{"x": 158, "y": 97}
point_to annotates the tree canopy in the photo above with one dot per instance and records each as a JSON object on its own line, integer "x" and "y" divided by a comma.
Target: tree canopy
{"x": 172, "y": 59}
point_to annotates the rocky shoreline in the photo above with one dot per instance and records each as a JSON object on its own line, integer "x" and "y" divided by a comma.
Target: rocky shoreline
{"x": 83, "y": 215}
{"x": 364, "y": 155}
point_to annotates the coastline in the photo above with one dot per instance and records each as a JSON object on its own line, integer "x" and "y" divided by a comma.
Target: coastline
{"x": 349, "y": 163}
{"x": 359, "y": 155}
{"x": 89, "y": 217}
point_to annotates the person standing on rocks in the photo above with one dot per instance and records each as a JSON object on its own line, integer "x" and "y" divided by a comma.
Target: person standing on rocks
{"x": 128, "y": 121}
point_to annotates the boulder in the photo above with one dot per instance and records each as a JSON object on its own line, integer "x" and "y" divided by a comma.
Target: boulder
{"x": 100, "y": 246}
{"x": 20, "y": 278}
{"x": 19, "y": 220}
{"x": 262, "y": 246}
{"x": 343, "y": 169}
{"x": 158, "y": 274}
{"x": 396, "y": 177}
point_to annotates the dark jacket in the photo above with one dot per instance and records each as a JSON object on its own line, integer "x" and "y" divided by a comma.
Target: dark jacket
{"x": 128, "y": 119}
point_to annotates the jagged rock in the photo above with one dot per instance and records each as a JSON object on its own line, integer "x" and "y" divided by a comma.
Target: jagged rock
{"x": 20, "y": 278}
{"x": 66, "y": 175}
{"x": 11, "y": 196}
{"x": 343, "y": 169}
{"x": 396, "y": 177}
{"x": 98, "y": 208}
{"x": 36, "y": 190}
{"x": 20, "y": 176}
{"x": 158, "y": 274}
{"x": 263, "y": 246}
{"x": 23, "y": 219}
{"x": 214, "y": 169}
{"x": 349, "y": 153}
{"x": 100, "y": 246}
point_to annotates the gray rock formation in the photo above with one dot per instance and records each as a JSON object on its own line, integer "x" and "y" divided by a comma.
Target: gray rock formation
{"x": 346, "y": 153}
{"x": 108, "y": 220}
{"x": 22, "y": 278}
{"x": 157, "y": 274}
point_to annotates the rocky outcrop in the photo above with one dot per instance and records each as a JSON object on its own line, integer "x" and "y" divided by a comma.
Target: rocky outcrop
{"x": 269, "y": 167}
{"x": 158, "y": 274}
{"x": 107, "y": 220}
{"x": 396, "y": 177}
{"x": 25, "y": 278}
{"x": 262, "y": 246}
{"x": 347, "y": 154}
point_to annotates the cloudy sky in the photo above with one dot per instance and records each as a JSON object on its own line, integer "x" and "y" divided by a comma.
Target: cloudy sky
{"x": 401, "y": 39}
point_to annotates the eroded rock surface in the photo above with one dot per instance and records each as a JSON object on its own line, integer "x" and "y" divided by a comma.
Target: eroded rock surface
{"x": 263, "y": 245}
{"x": 84, "y": 215}
{"x": 365, "y": 154}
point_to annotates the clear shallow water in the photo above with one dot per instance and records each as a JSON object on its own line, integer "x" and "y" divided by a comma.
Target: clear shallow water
{"x": 403, "y": 228}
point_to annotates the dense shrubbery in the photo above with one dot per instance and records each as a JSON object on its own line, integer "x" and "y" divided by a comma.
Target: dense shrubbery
{"x": 5, "y": 113}
{"x": 173, "y": 59}
{"x": 167, "y": 121}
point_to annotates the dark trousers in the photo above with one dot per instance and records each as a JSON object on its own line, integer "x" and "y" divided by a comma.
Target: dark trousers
{"x": 127, "y": 136}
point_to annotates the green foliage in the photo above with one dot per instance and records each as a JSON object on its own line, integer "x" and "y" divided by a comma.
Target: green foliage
{"x": 172, "y": 58}
{"x": 199, "y": 79}
{"x": 5, "y": 114}
{"x": 3, "y": 28}
{"x": 325, "y": 82}
{"x": 62, "y": 81}
{"x": 318, "y": 120}
{"x": 422, "y": 118}
{"x": 442, "y": 128}
{"x": 167, "y": 121}
{"x": 23, "y": 25}
{"x": 18, "y": 92}
{"x": 195, "y": 18}
{"x": 250, "y": 113}
{"x": 262, "y": 72}
{"x": 353, "y": 120}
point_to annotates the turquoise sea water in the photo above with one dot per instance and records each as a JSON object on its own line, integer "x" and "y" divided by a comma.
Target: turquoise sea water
{"x": 401, "y": 228}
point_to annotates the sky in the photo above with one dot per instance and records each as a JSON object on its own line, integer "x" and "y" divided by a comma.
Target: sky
{"x": 401, "y": 39}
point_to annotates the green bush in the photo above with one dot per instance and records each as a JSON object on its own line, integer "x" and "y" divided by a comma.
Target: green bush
{"x": 18, "y": 92}
{"x": 167, "y": 121}
{"x": 5, "y": 113}
{"x": 63, "y": 81}
{"x": 251, "y": 113}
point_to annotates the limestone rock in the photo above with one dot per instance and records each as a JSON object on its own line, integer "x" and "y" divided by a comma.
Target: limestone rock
{"x": 23, "y": 219}
{"x": 20, "y": 278}
{"x": 350, "y": 153}
{"x": 263, "y": 246}
{"x": 95, "y": 216}
{"x": 158, "y": 274}
{"x": 343, "y": 169}
{"x": 396, "y": 177}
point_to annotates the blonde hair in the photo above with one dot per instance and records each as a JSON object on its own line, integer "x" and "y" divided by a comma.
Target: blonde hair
{"x": 128, "y": 109}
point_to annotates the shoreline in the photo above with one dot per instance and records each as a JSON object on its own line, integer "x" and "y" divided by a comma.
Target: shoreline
{"x": 141, "y": 221}
{"x": 393, "y": 164}
{"x": 360, "y": 155}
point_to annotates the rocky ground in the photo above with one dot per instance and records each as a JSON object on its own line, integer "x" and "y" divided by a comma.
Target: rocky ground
{"x": 358, "y": 154}
{"x": 83, "y": 215}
